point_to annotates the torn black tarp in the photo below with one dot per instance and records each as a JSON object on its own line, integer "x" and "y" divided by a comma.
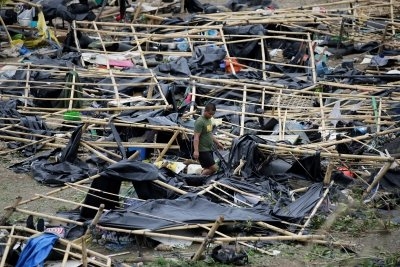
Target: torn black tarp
{"x": 105, "y": 189}
{"x": 57, "y": 174}
{"x": 298, "y": 209}
{"x": 71, "y": 150}
{"x": 178, "y": 67}
{"x": 308, "y": 167}
{"x": 188, "y": 209}
{"x": 58, "y": 9}
{"x": 268, "y": 192}
{"x": 248, "y": 49}
{"x": 69, "y": 169}
{"x": 245, "y": 148}
{"x": 206, "y": 59}
{"x": 8, "y": 113}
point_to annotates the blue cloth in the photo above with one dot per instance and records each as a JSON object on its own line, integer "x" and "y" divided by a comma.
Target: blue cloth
{"x": 36, "y": 250}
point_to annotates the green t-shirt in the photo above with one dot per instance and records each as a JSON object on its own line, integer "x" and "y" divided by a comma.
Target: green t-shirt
{"x": 204, "y": 127}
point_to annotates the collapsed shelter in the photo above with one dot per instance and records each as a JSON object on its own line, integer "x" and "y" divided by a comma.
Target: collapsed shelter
{"x": 307, "y": 103}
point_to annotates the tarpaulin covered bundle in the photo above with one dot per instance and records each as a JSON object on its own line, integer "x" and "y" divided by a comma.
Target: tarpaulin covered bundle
{"x": 161, "y": 213}
{"x": 106, "y": 188}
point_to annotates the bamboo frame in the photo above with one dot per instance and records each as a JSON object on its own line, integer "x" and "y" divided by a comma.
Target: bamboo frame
{"x": 275, "y": 100}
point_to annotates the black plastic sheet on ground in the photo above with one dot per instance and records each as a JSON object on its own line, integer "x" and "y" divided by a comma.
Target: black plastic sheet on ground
{"x": 301, "y": 207}
{"x": 188, "y": 209}
{"x": 105, "y": 189}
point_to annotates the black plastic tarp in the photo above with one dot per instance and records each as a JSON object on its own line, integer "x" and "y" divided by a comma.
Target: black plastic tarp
{"x": 245, "y": 148}
{"x": 69, "y": 169}
{"x": 301, "y": 207}
{"x": 105, "y": 189}
{"x": 188, "y": 209}
{"x": 56, "y": 174}
{"x": 57, "y": 8}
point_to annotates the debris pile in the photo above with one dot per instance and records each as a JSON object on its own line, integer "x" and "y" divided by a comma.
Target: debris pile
{"x": 307, "y": 105}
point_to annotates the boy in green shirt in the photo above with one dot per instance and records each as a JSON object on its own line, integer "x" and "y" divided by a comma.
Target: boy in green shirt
{"x": 204, "y": 139}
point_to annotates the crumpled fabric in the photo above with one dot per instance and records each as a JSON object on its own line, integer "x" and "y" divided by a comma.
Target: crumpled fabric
{"x": 37, "y": 249}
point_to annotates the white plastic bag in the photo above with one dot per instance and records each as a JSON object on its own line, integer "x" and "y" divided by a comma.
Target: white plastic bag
{"x": 26, "y": 16}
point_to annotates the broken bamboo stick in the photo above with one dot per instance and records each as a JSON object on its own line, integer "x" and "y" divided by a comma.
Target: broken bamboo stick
{"x": 208, "y": 238}
{"x": 168, "y": 146}
{"x": 316, "y": 207}
{"x": 10, "y": 211}
{"x": 381, "y": 173}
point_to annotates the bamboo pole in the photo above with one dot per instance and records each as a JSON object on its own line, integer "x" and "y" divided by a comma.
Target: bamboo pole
{"x": 311, "y": 59}
{"x": 168, "y": 146}
{"x": 321, "y": 105}
{"x": 71, "y": 101}
{"x": 316, "y": 207}
{"x": 66, "y": 201}
{"x": 8, "y": 246}
{"x": 84, "y": 253}
{"x": 379, "y": 176}
{"x": 10, "y": 211}
{"x": 46, "y": 140}
{"x": 65, "y": 242}
{"x": 328, "y": 174}
{"x": 241, "y": 243}
{"x": 207, "y": 240}
{"x": 6, "y": 31}
{"x": 231, "y": 196}
{"x": 303, "y": 238}
{"x": 57, "y": 190}
{"x": 242, "y": 117}
{"x": 275, "y": 229}
{"x": 93, "y": 145}
{"x": 27, "y": 85}
{"x": 139, "y": 47}
{"x": 66, "y": 255}
{"x": 281, "y": 127}
{"x": 43, "y": 215}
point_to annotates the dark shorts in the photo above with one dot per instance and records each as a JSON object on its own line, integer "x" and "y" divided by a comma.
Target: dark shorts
{"x": 206, "y": 159}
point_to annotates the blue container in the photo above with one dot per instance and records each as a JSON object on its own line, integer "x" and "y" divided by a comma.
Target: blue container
{"x": 142, "y": 152}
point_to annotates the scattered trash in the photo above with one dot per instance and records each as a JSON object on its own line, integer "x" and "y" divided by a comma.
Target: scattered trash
{"x": 303, "y": 110}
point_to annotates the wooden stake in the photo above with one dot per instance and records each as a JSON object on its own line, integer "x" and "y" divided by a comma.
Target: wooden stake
{"x": 208, "y": 238}
{"x": 328, "y": 173}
